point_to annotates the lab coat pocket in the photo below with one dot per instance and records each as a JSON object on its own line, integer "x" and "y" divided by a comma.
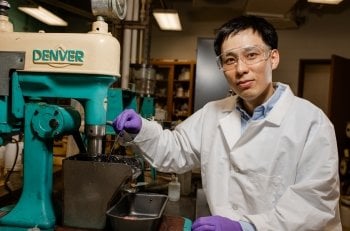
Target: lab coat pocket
{"x": 266, "y": 191}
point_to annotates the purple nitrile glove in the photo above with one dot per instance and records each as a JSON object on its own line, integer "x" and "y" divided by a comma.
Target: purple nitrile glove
{"x": 128, "y": 121}
{"x": 215, "y": 223}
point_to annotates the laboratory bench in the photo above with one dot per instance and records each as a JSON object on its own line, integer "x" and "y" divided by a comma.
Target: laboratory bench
{"x": 186, "y": 207}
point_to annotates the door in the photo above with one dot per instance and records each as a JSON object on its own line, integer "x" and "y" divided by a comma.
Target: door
{"x": 210, "y": 82}
{"x": 339, "y": 100}
{"x": 314, "y": 82}
{"x": 326, "y": 83}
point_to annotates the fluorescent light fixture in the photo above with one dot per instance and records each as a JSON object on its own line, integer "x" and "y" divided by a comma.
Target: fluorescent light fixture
{"x": 43, "y": 15}
{"x": 167, "y": 19}
{"x": 266, "y": 15}
{"x": 326, "y": 1}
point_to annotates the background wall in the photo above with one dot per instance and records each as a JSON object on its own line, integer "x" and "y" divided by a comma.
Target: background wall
{"x": 318, "y": 38}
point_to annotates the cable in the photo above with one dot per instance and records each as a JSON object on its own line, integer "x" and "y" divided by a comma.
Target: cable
{"x": 7, "y": 179}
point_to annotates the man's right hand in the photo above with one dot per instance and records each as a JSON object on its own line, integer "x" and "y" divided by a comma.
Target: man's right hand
{"x": 128, "y": 121}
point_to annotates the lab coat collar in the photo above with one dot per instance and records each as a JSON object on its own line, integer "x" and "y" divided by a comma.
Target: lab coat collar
{"x": 280, "y": 109}
{"x": 231, "y": 123}
{"x": 276, "y": 115}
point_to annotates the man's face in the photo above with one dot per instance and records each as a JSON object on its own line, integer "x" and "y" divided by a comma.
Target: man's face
{"x": 248, "y": 66}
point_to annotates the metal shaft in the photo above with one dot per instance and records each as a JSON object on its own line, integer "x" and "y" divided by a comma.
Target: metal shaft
{"x": 95, "y": 134}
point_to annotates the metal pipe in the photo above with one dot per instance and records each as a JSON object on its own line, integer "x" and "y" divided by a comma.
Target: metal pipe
{"x": 147, "y": 34}
{"x": 142, "y": 20}
{"x": 135, "y": 33}
{"x": 126, "y": 49}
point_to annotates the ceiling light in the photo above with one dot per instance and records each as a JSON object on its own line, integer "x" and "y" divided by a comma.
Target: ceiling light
{"x": 43, "y": 15}
{"x": 326, "y": 1}
{"x": 167, "y": 19}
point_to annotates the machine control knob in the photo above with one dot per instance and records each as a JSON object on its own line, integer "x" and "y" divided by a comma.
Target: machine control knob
{"x": 53, "y": 123}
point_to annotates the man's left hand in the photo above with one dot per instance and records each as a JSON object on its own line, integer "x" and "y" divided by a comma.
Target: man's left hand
{"x": 215, "y": 223}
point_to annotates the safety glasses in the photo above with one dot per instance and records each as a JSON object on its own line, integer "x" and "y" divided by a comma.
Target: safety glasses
{"x": 249, "y": 55}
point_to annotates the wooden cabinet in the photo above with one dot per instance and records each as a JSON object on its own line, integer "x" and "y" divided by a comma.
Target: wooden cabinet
{"x": 174, "y": 89}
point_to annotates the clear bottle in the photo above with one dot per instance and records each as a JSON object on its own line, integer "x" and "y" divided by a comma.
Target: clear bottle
{"x": 174, "y": 189}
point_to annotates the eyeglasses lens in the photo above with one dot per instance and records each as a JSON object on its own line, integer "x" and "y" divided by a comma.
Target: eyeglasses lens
{"x": 248, "y": 55}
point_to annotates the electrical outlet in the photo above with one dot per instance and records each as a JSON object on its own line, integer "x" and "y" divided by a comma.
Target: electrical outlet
{"x": 348, "y": 129}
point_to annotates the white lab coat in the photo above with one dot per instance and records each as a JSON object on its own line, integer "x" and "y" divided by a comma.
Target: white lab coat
{"x": 280, "y": 174}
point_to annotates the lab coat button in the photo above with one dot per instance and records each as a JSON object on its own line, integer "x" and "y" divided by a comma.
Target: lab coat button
{"x": 236, "y": 169}
{"x": 234, "y": 207}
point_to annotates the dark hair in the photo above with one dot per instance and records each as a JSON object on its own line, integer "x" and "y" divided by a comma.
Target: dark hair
{"x": 235, "y": 25}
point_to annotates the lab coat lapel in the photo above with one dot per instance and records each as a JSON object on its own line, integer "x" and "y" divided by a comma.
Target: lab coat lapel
{"x": 231, "y": 128}
{"x": 281, "y": 108}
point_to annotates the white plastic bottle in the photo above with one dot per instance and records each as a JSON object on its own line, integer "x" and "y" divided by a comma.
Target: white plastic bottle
{"x": 174, "y": 189}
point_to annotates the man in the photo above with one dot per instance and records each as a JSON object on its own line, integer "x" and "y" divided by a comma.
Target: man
{"x": 268, "y": 159}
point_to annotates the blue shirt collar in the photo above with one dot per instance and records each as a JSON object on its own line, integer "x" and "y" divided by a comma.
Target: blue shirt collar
{"x": 261, "y": 111}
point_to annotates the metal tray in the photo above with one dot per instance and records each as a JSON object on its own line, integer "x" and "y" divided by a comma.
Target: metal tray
{"x": 138, "y": 211}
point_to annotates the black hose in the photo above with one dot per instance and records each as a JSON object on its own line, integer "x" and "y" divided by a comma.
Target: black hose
{"x": 9, "y": 173}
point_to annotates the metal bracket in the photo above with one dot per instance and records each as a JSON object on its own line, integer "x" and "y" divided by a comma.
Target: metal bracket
{"x": 9, "y": 61}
